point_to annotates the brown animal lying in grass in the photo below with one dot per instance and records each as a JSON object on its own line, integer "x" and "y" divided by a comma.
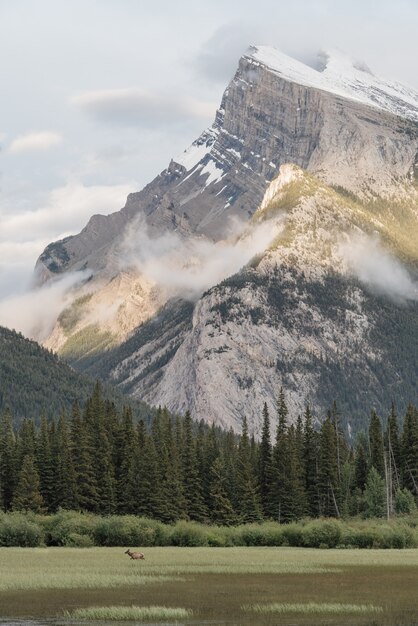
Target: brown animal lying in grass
{"x": 135, "y": 555}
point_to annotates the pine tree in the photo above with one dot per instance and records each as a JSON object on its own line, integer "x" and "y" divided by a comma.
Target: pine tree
{"x": 361, "y": 468}
{"x": 310, "y": 464}
{"x": 376, "y": 444}
{"x": 82, "y": 457}
{"x": 328, "y": 471}
{"x": 393, "y": 446}
{"x": 45, "y": 464}
{"x": 279, "y": 490}
{"x": 27, "y": 496}
{"x": 250, "y": 507}
{"x": 410, "y": 451}
{"x": 374, "y": 494}
{"x": 298, "y": 503}
{"x": 192, "y": 487}
{"x": 65, "y": 488}
{"x": 8, "y": 461}
{"x": 222, "y": 511}
{"x": 265, "y": 464}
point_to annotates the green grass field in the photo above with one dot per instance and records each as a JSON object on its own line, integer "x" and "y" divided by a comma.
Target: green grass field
{"x": 220, "y": 585}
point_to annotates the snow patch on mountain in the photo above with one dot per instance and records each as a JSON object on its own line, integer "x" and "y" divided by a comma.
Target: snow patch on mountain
{"x": 341, "y": 76}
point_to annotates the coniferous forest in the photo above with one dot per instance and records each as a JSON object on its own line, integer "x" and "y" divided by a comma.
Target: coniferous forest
{"x": 102, "y": 461}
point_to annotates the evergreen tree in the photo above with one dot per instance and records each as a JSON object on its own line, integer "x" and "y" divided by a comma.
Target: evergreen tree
{"x": 45, "y": 465}
{"x": 376, "y": 444}
{"x": 410, "y": 451}
{"x": 8, "y": 461}
{"x": 192, "y": 487}
{"x": 82, "y": 457}
{"x": 375, "y": 494}
{"x": 250, "y": 508}
{"x": 361, "y": 462}
{"x": 265, "y": 464}
{"x": 298, "y": 504}
{"x": 280, "y": 492}
{"x": 328, "y": 471}
{"x": 222, "y": 511}
{"x": 310, "y": 464}
{"x": 65, "y": 488}
{"x": 393, "y": 446}
{"x": 27, "y": 496}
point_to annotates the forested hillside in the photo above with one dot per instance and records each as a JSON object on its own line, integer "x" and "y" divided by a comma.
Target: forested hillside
{"x": 34, "y": 381}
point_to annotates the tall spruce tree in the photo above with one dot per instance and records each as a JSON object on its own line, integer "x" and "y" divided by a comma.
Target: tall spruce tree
{"x": 250, "y": 507}
{"x": 27, "y": 496}
{"x": 265, "y": 464}
{"x": 310, "y": 457}
{"x": 8, "y": 461}
{"x": 410, "y": 451}
{"x": 376, "y": 444}
{"x": 192, "y": 487}
{"x": 328, "y": 471}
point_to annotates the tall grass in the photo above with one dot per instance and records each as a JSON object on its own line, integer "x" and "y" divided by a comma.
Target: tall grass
{"x": 120, "y": 613}
{"x": 312, "y": 607}
{"x": 74, "y": 529}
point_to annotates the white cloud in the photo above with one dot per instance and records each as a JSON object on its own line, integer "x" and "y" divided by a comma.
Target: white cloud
{"x": 138, "y": 107}
{"x": 377, "y": 268}
{"x": 34, "y": 312}
{"x": 189, "y": 267}
{"x": 65, "y": 211}
{"x": 35, "y": 141}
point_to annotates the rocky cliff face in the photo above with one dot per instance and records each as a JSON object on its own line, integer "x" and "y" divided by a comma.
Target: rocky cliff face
{"x": 321, "y": 157}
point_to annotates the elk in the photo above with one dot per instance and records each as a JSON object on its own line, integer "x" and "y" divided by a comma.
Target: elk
{"x": 135, "y": 555}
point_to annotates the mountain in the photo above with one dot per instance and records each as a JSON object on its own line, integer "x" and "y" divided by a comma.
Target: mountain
{"x": 34, "y": 381}
{"x": 280, "y": 249}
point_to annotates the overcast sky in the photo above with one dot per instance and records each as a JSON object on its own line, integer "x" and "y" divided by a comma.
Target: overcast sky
{"x": 98, "y": 95}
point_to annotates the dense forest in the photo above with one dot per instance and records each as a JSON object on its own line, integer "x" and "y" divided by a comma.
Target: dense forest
{"x": 34, "y": 380}
{"x": 102, "y": 460}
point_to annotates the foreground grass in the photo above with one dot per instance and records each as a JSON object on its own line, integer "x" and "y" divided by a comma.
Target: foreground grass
{"x": 130, "y": 613}
{"x": 313, "y": 607}
{"x": 214, "y": 583}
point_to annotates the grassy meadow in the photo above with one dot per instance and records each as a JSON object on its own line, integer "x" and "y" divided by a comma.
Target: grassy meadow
{"x": 241, "y": 585}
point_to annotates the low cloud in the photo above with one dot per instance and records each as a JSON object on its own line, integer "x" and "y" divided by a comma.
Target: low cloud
{"x": 189, "y": 267}
{"x": 136, "y": 107}
{"x": 219, "y": 55}
{"x": 377, "y": 268}
{"x": 35, "y": 142}
{"x": 35, "y": 312}
{"x": 65, "y": 210}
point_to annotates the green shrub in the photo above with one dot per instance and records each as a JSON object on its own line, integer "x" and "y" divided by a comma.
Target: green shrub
{"x": 20, "y": 529}
{"x": 322, "y": 534}
{"x": 293, "y": 534}
{"x": 189, "y": 534}
{"x": 62, "y": 528}
{"x": 404, "y": 501}
{"x": 127, "y": 530}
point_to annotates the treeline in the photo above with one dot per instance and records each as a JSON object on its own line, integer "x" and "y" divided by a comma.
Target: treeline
{"x": 102, "y": 461}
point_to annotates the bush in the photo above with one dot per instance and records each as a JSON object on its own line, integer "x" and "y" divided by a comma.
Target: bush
{"x": 189, "y": 534}
{"x": 293, "y": 534}
{"x": 127, "y": 530}
{"x": 322, "y": 534}
{"x": 20, "y": 529}
{"x": 404, "y": 501}
{"x": 69, "y": 528}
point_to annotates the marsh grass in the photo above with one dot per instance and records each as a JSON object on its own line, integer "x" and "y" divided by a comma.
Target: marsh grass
{"x": 313, "y": 607}
{"x": 215, "y": 583}
{"x": 121, "y": 613}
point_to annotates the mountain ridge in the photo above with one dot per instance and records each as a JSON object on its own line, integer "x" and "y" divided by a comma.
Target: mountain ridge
{"x": 334, "y": 176}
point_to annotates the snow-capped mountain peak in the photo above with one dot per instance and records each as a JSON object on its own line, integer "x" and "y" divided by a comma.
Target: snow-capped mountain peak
{"x": 340, "y": 75}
